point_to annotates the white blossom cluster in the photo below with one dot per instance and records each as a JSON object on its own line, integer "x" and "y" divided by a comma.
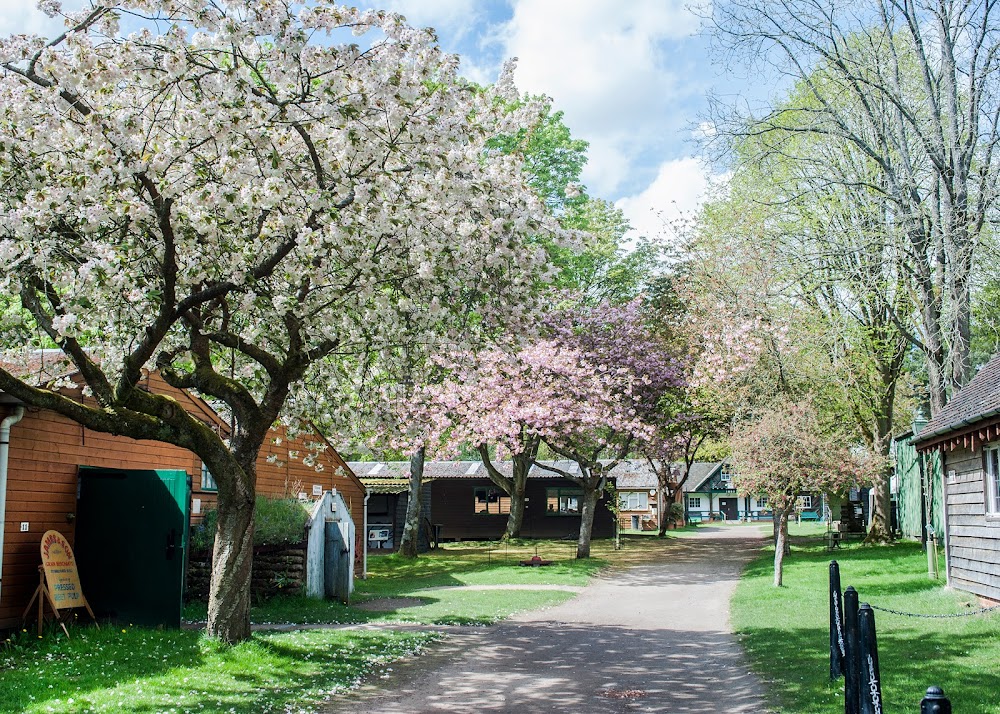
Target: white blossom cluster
{"x": 246, "y": 171}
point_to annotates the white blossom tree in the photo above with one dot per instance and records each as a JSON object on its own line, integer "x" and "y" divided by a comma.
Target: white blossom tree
{"x": 238, "y": 195}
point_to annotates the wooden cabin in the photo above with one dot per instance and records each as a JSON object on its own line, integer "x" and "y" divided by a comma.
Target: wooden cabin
{"x": 966, "y": 433}
{"x": 62, "y": 476}
{"x": 462, "y": 503}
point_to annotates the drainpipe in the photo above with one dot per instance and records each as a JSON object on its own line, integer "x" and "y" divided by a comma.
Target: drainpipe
{"x": 5, "y": 426}
{"x": 364, "y": 536}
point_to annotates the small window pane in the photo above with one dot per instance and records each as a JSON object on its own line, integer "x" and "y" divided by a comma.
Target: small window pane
{"x": 207, "y": 480}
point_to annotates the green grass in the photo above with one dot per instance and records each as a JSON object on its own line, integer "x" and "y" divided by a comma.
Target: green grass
{"x": 785, "y": 630}
{"x": 140, "y": 670}
{"x": 452, "y": 566}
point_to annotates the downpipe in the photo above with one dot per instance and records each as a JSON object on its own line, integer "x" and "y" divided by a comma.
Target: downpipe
{"x": 5, "y": 426}
{"x": 364, "y": 537}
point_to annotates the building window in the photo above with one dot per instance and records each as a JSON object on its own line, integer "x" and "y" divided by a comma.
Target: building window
{"x": 634, "y": 501}
{"x": 805, "y": 502}
{"x": 207, "y": 480}
{"x": 562, "y": 502}
{"x": 726, "y": 475}
{"x": 992, "y": 480}
{"x": 694, "y": 501}
{"x": 490, "y": 501}
{"x": 761, "y": 503}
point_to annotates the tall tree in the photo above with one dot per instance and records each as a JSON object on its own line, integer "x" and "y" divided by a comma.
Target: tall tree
{"x": 243, "y": 209}
{"x": 914, "y": 87}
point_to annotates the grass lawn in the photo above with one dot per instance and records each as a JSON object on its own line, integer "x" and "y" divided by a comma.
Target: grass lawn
{"x": 785, "y": 630}
{"x": 141, "y": 670}
{"x": 424, "y": 583}
{"x": 130, "y": 669}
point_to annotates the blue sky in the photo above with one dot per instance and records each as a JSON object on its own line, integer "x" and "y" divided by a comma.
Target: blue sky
{"x": 631, "y": 77}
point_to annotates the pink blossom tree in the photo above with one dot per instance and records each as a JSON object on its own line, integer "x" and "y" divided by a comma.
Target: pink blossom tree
{"x": 788, "y": 452}
{"x": 221, "y": 197}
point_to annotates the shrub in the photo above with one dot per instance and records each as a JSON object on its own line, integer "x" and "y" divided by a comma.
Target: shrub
{"x": 278, "y": 521}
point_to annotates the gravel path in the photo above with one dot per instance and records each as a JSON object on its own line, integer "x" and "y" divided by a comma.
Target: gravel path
{"x": 653, "y": 638}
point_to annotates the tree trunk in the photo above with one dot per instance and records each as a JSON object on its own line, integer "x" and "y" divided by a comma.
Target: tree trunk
{"x": 516, "y": 517}
{"x": 880, "y": 529}
{"x": 232, "y": 561}
{"x": 776, "y": 527}
{"x": 409, "y": 542}
{"x": 589, "y": 508}
{"x": 781, "y": 547}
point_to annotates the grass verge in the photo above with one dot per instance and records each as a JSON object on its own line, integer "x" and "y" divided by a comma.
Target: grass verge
{"x": 141, "y": 670}
{"x": 785, "y": 630}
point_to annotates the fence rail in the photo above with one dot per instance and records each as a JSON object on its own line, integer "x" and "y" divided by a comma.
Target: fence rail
{"x": 854, "y": 652}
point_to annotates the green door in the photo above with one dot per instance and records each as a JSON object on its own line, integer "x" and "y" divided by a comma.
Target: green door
{"x": 131, "y": 543}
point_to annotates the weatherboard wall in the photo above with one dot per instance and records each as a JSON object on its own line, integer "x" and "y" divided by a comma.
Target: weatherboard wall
{"x": 973, "y": 536}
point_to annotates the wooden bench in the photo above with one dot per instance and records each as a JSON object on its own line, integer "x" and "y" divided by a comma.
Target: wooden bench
{"x": 809, "y": 516}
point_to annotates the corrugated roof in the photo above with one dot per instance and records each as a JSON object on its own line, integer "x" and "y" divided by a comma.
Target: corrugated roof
{"x": 979, "y": 399}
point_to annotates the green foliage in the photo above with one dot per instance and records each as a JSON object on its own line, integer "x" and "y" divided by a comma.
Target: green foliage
{"x": 785, "y": 630}
{"x": 128, "y": 669}
{"x": 278, "y": 521}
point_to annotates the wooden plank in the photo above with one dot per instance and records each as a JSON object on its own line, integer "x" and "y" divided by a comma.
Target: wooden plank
{"x": 975, "y": 531}
{"x": 992, "y": 592}
{"x": 982, "y": 579}
{"x": 966, "y": 509}
{"x": 976, "y": 566}
{"x": 968, "y": 497}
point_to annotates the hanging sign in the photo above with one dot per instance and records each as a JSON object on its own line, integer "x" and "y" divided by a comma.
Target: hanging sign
{"x": 61, "y": 574}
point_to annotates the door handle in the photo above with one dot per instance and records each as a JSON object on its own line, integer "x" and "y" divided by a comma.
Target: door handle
{"x": 171, "y": 544}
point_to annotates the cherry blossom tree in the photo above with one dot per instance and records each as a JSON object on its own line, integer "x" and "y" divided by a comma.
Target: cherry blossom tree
{"x": 788, "y": 452}
{"x": 243, "y": 197}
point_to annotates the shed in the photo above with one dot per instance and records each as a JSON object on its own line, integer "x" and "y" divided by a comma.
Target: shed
{"x": 966, "y": 434}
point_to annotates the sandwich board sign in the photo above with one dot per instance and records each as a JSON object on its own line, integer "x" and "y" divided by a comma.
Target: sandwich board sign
{"x": 58, "y": 580}
{"x": 61, "y": 574}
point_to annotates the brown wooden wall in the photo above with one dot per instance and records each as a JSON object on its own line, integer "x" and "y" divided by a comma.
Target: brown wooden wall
{"x": 973, "y": 537}
{"x": 453, "y": 506}
{"x": 46, "y": 451}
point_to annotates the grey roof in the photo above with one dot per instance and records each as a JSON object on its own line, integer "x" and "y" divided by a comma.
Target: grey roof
{"x": 629, "y": 474}
{"x": 977, "y": 400}
{"x": 701, "y": 473}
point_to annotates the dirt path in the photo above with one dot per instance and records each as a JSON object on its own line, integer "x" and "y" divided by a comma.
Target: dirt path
{"x": 653, "y": 638}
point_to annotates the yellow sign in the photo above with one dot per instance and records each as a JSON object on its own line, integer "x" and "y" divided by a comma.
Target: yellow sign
{"x": 61, "y": 575}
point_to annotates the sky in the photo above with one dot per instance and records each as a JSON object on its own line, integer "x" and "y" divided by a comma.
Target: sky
{"x": 631, "y": 76}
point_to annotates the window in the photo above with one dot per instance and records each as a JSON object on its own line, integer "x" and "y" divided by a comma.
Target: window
{"x": 761, "y": 503}
{"x": 726, "y": 475}
{"x": 207, "y": 480}
{"x": 492, "y": 502}
{"x": 694, "y": 501}
{"x": 562, "y": 502}
{"x": 805, "y": 502}
{"x": 992, "y": 475}
{"x": 634, "y": 501}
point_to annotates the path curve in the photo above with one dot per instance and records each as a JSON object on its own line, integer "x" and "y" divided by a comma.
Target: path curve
{"x": 652, "y": 638}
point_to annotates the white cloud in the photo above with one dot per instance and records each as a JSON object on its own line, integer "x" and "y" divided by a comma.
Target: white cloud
{"x": 609, "y": 67}
{"x": 21, "y": 17}
{"x": 678, "y": 191}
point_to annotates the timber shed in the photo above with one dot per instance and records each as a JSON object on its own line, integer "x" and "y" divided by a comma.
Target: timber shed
{"x": 966, "y": 433}
{"x": 126, "y": 506}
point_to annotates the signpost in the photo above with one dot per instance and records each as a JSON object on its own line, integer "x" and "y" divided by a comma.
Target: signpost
{"x": 58, "y": 581}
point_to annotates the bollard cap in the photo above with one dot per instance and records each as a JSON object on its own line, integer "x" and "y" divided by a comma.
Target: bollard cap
{"x": 865, "y": 606}
{"x": 935, "y": 693}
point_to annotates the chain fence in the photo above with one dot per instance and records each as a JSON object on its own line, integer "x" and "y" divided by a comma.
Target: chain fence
{"x": 976, "y": 611}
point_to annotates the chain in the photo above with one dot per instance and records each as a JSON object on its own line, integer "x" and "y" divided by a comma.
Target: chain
{"x": 977, "y": 611}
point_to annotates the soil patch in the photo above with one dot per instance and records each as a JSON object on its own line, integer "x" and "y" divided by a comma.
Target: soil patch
{"x": 388, "y": 604}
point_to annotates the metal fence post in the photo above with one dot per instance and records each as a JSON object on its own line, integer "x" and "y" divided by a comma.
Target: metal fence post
{"x": 870, "y": 680}
{"x": 935, "y": 702}
{"x": 852, "y": 669}
{"x": 836, "y": 623}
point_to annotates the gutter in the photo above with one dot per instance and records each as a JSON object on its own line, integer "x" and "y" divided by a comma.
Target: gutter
{"x": 941, "y": 430}
{"x": 5, "y": 426}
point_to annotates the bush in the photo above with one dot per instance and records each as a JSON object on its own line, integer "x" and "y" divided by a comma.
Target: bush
{"x": 279, "y": 521}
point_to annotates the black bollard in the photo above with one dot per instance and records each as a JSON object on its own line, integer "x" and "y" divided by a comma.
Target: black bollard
{"x": 935, "y": 702}
{"x": 852, "y": 668}
{"x": 870, "y": 679}
{"x": 836, "y": 623}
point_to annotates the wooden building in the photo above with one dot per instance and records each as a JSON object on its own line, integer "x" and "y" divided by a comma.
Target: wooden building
{"x": 462, "y": 503}
{"x": 62, "y": 476}
{"x": 966, "y": 433}
{"x": 916, "y": 486}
